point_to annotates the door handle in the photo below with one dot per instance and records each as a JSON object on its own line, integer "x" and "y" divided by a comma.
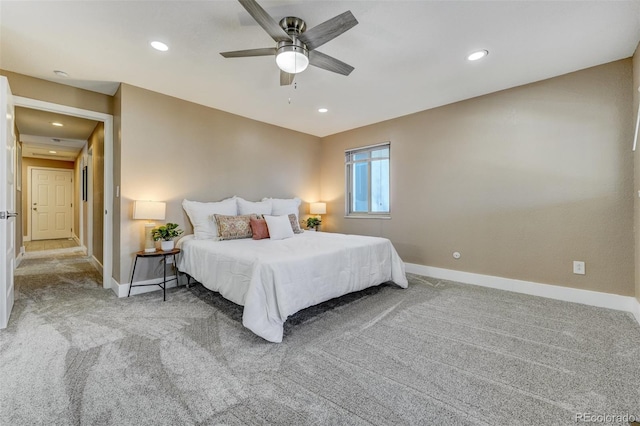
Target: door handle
{"x": 7, "y": 215}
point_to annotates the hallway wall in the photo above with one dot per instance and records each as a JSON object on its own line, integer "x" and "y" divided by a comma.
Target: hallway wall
{"x": 96, "y": 144}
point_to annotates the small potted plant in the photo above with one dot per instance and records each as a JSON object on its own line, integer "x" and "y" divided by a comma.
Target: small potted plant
{"x": 165, "y": 234}
{"x": 314, "y": 223}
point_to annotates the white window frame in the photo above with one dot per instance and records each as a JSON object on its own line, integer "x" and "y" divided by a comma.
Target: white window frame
{"x": 349, "y": 176}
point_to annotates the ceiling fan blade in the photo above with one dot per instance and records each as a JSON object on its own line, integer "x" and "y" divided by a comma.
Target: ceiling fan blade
{"x": 286, "y": 78}
{"x": 267, "y": 51}
{"x": 326, "y": 62}
{"x": 265, "y": 20}
{"x": 328, "y": 30}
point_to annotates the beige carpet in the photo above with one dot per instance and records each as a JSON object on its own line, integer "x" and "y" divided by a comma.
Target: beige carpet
{"x": 40, "y": 245}
{"x": 437, "y": 353}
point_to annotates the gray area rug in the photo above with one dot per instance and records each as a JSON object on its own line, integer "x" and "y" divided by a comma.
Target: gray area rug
{"x": 437, "y": 353}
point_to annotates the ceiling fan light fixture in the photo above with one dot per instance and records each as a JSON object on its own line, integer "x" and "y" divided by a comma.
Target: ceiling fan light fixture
{"x": 292, "y": 59}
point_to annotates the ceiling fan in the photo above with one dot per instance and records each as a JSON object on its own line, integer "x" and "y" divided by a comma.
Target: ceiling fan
{"x": 296, "y": 47}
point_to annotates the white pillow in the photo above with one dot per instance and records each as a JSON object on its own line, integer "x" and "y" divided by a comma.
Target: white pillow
{"x": 201, "y": 216}
{"x": 285, "y": 206}
{"x": 279, "y": 227}
{"x": 250, "y": 207}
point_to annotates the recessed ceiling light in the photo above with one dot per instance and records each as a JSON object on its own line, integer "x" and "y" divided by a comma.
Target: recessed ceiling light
{"x": 158, "y": 45}
{"x": 477, "y": 55}
{"x": 322, "y": 110}
{"x": 60, "y": 73}
{"x": 53, "y": 152}
{"x": 55, "y": 123}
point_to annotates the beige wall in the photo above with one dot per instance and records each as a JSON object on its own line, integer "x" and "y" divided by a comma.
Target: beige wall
{"x": 43, "y": 90}
{"x": 96, "y": 147}
{"x": 173, "y": 149}
{"x": 636, "y": 215}
{"x": 77, "y": 198}
{"x": 521, "y": 182}
{"x": 41, "y": 162}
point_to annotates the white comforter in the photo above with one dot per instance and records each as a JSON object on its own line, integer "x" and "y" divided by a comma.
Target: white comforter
{"x": 275, "y": 279}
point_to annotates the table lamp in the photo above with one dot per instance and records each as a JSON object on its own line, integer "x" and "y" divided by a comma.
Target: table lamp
{"x": 149, "y": 210}
{"x": 318, "y": 209}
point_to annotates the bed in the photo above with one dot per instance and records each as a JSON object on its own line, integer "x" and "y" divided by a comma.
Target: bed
{"x": 274, "y": 279}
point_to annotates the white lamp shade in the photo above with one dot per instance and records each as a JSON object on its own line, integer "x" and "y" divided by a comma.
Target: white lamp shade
{"x": 318, "y": 208}
{"x": 149, "y": 210}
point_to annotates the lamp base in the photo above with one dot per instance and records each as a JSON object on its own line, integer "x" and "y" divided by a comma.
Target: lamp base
{"x": 149, "y": 244}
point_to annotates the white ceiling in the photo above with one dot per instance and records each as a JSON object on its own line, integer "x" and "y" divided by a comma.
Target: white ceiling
{"x": 408, "y": 56}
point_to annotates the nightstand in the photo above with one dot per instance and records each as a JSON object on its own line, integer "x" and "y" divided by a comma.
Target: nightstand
{"x": 159, "y": 253}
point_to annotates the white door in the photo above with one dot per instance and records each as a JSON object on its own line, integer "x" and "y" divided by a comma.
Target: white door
{"x": 7, "y": 201}
{"x": 51, "y": 207}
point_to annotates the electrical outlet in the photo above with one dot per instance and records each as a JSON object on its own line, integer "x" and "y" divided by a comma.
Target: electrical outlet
{"x": 578, "y": 267}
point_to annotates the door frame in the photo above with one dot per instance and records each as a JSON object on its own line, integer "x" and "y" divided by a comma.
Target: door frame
{"x": 107, "y": 119}
{"x": 30, "y": 197}
{"x": 89, "y": 202}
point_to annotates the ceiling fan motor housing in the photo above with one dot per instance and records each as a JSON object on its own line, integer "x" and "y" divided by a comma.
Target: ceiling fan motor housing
{"x": 292, "y": 46}
{"x": 292, "y": 56}
{"x": 292, "y": 25}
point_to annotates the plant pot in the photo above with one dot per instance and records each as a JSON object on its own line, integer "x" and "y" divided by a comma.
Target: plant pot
{"x": 167, "y": 245}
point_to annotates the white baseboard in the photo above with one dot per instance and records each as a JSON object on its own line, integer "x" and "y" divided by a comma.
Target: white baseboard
{"x": 636, "y": 311}
{"x": 585, "y": 297}
{"x": 77, "y": 240}
{"x": 121, "y": 290}
{"x": 115, "y": 286}
{"x": 26, "y": 238}
{"x": 96, "y": 263}
{"x": 19, "y": 257}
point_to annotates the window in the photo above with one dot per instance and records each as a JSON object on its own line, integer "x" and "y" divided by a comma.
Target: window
{"x": 367, "y": 172}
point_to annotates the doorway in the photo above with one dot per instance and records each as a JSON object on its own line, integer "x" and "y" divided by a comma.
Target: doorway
{"x": 50, "y": 200}
{"x": 107, "y": 120}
